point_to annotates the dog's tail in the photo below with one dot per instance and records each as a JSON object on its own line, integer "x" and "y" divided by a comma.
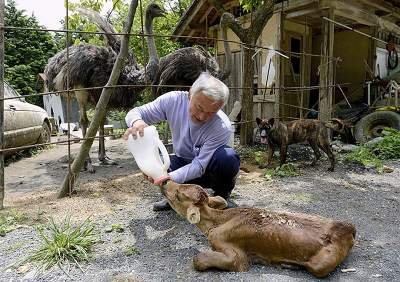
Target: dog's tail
{"x": 336, "y": 124}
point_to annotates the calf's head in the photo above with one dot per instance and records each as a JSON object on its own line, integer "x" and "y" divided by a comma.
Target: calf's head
{"x": 264, "y": 127}
{"x": 189, "y": 199}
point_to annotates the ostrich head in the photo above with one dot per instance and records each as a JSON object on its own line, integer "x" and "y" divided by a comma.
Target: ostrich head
{"x": 153, "y": 11}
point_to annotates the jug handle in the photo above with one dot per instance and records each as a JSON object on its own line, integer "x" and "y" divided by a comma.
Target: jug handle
{"x": 164, "y": 154}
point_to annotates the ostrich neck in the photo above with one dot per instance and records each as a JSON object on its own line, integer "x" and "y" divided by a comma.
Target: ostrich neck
{"x": 153, "y": 56}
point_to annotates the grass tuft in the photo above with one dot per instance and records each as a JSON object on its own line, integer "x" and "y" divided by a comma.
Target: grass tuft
{"x": 63, "y": 244}
{"x": 10, "y": 220}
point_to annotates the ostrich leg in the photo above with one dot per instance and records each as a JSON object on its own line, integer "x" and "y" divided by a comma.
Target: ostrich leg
{"x": 82, "y": 97}
{"x": 102, "y": 148}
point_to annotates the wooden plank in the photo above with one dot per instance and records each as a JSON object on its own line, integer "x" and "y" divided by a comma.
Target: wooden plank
{"x": 361, "y": 16}
{"x": 190, "y": 18}
{"x": 280, "y": 75}
{"x": 203, "y": 18}
{"x": 326, "y": 68}
{"x": 294, "y": 4}
{"x": 382, "y": 5}
{"x": 302, "y": 13}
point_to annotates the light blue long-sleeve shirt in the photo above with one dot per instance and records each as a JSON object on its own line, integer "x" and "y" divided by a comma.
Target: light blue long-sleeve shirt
{"x": 193, "y": 142}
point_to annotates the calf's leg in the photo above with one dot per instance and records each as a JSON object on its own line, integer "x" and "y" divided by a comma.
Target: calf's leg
{"x": 229, "y": 259}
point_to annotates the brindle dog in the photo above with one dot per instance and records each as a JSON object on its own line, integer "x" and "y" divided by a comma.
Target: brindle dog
{"x": 279, "y": 134}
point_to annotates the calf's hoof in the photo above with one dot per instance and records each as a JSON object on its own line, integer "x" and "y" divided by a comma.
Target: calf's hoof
{"x": 198, "y": 262}
{"x": 331, "y": 168}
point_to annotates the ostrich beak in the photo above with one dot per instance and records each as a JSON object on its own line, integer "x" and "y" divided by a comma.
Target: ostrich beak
{"x": 161, "y": 13}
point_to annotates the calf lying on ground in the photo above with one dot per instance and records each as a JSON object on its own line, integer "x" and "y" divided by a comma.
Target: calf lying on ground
{"x": 240, "y": 236}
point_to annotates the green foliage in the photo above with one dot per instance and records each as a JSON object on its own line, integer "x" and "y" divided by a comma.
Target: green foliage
{"x": 131, "y": 250}
{"x": 25, "y": 51}
{"x": 373, "y": 153}
{"x": 80, "y": 23}
{"x": 285, "y": 170}
{"x": 252, "y": 154}
{"x": 9, "y": 220}
{"x": 260, "y": 157}
{"x": 163, "y": 129}
{"x": 161, "y": 26}
{"x": 249, "y": 5}
{"x": 64, "y": 244}
{"x": 117, "y": 227}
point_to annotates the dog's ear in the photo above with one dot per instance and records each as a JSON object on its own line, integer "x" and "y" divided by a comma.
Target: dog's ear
{"x": 193, "y": 214}
{"x": 258, "y": 120}
{"x": 271, "y": 121}
{"x": 217, "y": 202}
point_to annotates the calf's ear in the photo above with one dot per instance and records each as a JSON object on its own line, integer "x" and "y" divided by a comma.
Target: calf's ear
{"x": 258, "y": 120}
{"x": 193, "y": 214}
{"x": 217, "y": 202}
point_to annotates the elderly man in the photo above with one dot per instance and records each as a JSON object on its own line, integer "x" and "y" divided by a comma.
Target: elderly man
{"x": 200, "y": 134}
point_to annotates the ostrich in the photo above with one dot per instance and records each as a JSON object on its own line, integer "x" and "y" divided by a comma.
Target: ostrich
{"x": 90, "y": 66}
{"x": 181, "y": 67}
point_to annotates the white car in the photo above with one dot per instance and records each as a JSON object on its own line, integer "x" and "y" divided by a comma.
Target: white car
{"x": 24, "y": 123}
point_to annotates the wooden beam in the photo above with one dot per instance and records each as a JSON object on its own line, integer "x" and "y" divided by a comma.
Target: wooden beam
{"x": 363, "y": 17}
{"x": 294, "y": 4}
{"x": 189, "y": 19}
{"x": 381, "y": 5}
{"x": 279, "y": 64}
{"x": 326, "y": 68}
{"x": 302, "y": 13}
{"x": 203, "y": 18}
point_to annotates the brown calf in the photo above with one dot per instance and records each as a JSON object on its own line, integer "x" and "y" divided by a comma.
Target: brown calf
{"x": 240, "y": 236}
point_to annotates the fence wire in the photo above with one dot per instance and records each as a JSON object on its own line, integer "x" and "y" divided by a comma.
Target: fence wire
{"x": 68, "y": 91}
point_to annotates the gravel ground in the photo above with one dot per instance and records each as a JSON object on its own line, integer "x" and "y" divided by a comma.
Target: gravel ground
{"x": 167, "y": 243}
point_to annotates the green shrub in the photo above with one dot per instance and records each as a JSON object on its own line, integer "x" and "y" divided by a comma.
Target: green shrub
{"x": 374, "y": 153}
{"x": 285, "y": 170}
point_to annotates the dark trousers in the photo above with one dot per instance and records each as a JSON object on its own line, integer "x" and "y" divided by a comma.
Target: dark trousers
{"x": 220, "y": 174}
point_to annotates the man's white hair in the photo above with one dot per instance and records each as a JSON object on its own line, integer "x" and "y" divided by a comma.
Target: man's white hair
{"x": 211, "y": 87}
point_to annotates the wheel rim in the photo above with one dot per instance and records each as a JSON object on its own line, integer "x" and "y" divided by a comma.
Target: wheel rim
{"x": 376, "y": 129}
{"x": 45, "y": 136}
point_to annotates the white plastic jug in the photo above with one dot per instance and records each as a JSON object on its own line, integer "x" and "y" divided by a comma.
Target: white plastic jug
{"x": 145, "y": 150}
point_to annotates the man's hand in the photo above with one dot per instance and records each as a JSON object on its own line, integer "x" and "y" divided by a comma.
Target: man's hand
{"x": 137, "y": 127}
{"x": 157, "y": 182}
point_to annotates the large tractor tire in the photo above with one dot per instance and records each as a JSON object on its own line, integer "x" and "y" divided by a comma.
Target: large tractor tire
{"x": 372, "y": 125}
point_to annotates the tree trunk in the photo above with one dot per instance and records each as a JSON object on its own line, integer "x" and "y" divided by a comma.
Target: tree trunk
{"x": 100, "y": 111}
{"x": 246, "y": 130}
{"x": 248, "y": 36}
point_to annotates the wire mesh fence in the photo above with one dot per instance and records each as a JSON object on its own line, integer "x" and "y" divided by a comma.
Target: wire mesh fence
{"x": 70, "y": 90}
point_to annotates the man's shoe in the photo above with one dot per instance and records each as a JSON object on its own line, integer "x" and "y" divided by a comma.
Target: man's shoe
{"x": 162, "y": 205}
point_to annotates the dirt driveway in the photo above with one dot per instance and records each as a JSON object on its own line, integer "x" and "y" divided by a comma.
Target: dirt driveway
{"x": 166, "y": 243}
